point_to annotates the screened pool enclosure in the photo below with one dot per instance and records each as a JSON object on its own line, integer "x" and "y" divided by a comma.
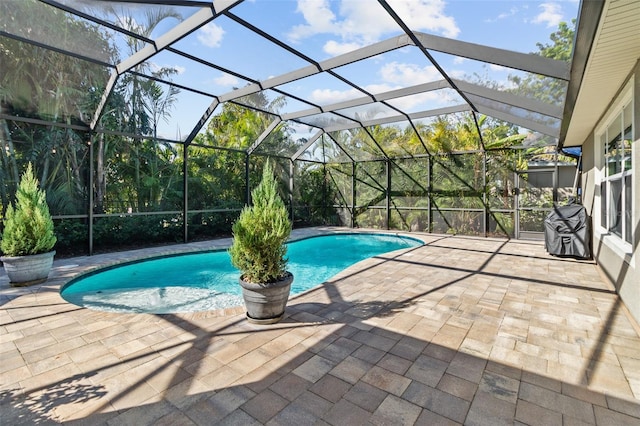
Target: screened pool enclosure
{"x": 150, "y": 121}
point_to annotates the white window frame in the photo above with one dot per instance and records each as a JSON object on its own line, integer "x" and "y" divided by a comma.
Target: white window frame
{"x": 602, "y": 139}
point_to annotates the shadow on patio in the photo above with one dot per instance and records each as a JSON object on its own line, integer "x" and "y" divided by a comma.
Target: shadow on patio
{"x": 462, "y": 330}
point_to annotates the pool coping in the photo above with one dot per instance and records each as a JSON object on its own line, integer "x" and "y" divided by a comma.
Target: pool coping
{"x": 66, "y": 270}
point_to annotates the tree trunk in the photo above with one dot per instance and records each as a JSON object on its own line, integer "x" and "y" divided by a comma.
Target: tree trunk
{"x": 8, "y": 162}
{"x": 101, "y": 182}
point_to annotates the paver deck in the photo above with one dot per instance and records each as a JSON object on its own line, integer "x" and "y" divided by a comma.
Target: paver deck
{"x": 461, "y": 330}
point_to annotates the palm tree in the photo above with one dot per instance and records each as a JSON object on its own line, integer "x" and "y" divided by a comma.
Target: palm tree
{"x": 137, "y": 105}
{"x": 42, "y": 83}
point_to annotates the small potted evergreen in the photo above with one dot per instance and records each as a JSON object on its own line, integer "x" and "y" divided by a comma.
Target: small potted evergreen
{"x": 28, "y": 237}
{"x": 259, "y": 250}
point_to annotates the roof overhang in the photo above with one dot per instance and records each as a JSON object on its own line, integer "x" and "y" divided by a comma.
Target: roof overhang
{"x": 607, "y": 48}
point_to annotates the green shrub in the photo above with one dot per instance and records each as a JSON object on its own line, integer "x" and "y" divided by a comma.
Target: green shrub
{"x": 206, "y": 225}
{"x": 73, "y": 237}
{"x": 260, "y": 234}
{"x": 137, "y": 230}
{"x": 28, "y": 228}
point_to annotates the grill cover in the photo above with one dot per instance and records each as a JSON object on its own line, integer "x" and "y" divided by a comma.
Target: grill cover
{"x": 566, "y": 231}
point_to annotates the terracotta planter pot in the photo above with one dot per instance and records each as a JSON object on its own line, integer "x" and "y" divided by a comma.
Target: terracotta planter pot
{"x": 27, "y": 270}
{"x": 265, "y": 303}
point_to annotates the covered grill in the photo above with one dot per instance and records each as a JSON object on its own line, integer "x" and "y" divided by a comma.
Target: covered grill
{"x": 566, "y": 231}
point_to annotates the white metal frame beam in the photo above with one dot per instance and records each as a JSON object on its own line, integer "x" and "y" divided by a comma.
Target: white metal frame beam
{"x": 306, "y": 146}
{"x": 519, "y": 121}
{"x": 399, "y": 118}
{"x": 209, "y": 10}
{"x": 329, "y": 64}
{"x": 510, "y": 99}
{"x": 183, "y": 29}
{"x": 264, "y": 135}
{"x": 521, "y": 61}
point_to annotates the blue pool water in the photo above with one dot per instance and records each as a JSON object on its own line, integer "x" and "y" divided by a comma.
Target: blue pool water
{"x": 207, "y": 280}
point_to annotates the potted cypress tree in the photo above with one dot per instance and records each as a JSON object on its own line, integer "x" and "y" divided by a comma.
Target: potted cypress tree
{"x": 28, "y": 237}
{"x": 258, "y": 251}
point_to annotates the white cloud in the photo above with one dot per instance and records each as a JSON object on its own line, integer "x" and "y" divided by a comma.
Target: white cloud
{"x": 426, "y": 100}
{"x": 394, "y": 75}
{"x": 211, "y": 35}
{"x": 551, "y": 15}
{"x": 364, "y": 21}
{"x": 328, "y": 96}
{"x": 357, "y": 22}
{"x": 494, "y": 67}
{"x": 319, "y": 19}
{"x": 408, "y": 74}
{"x": 459, "y": 74}
{"x": 459, "y": 60}
{"x": 426, "y": 15}
{"x": 504, "y": 15}
{"x": 334, "y": 48}
{"x": 380, "y": 88}
{"x": 226, "y": 80}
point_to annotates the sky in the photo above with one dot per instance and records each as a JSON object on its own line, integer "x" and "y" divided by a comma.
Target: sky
{"x": 322, "y": 29}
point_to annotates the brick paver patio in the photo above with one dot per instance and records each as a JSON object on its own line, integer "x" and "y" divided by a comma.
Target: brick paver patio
{"x": 460, "y": 331}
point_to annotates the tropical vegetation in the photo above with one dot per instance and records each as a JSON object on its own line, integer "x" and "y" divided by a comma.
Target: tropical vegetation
{"x": 133, "y": 187}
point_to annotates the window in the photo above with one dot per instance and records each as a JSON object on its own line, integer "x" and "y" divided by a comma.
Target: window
{"x": 615, "y": 192}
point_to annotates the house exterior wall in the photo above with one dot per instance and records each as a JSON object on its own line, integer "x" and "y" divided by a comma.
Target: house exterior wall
{"x": 619, "y": 262}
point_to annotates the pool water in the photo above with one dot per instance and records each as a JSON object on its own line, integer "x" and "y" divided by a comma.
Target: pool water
{"x": 206, "y": 281}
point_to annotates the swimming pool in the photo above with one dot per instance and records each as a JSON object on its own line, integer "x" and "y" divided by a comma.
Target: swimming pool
{"x": 206, "y": 281}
